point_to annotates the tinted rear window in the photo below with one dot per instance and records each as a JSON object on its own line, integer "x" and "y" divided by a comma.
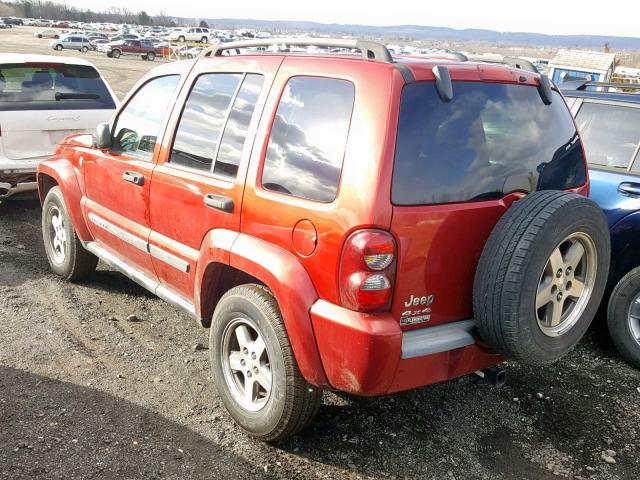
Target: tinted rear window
{"x": 490, "y": 140}
{"x": 52, "y": 87}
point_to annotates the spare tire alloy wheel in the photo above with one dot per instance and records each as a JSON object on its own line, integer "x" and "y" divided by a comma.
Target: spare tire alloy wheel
{"x": 566, "y": 284}
{"x": 541, "y": 276}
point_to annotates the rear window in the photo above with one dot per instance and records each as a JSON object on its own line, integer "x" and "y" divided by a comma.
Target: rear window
{"x": 490, "y": 140}
{"x": 52, "y": 87}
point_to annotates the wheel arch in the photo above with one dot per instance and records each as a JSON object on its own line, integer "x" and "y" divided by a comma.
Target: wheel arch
{"x": 228, "y": 259}
{"x": 60, "y": 172}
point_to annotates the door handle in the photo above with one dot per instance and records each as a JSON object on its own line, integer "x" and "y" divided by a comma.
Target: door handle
{"x": 629, "y": 189}
{"x": 219, "y": 202}
{"x": 133, "y": 177}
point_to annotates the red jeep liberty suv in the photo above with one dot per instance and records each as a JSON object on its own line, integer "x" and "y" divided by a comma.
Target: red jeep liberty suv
{"x": 339, "y": 221}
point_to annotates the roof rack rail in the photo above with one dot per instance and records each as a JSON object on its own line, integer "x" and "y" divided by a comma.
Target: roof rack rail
{"x": 514, "y": 62}
{"x": 370, "y": 50}
{"x": 583, "y": 84}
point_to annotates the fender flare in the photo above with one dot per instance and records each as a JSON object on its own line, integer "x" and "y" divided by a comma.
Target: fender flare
{"x": 63, "y": 172}
{"x": 287, "y": 279}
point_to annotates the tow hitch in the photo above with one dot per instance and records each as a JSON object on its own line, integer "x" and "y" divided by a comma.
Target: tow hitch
{"x": 493, "y": 376}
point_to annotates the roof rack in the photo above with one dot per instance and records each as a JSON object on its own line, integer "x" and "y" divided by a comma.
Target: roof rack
{"x": 370, "y": 50}
{"x": 583, "y": 84}
{"x": 513, "y": 62}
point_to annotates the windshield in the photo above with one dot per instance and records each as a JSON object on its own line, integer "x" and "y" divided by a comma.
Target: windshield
{"x": 53, "y": 86}
{"x": 490, "y": 140}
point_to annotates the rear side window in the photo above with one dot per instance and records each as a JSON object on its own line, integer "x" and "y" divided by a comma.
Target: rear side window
{"x": 490, "y": 140}
{"x": 308, "y": 138}
{"x": 52, "y": 86}
{"x": 610, "y": 133}
{"x": 213, "y": 127}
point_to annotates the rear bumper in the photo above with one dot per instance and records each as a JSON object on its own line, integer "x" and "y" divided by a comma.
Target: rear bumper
{"x": 369, "y": 355}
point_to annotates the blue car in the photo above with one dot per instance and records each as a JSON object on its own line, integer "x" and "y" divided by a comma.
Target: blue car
{"x": 609, "y": 123}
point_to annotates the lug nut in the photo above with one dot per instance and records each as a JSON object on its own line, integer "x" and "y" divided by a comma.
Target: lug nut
{"x": 559, "y": 273}
{"x": 255, "y": 370}
{"x": 559, "y": 297}
{"x": 569, "y": 270}
{"x": 242, "y": 362}
{"x": 253, "y": 355}
{"x": 245, "y": 351}
{"x": 248, "y": 374}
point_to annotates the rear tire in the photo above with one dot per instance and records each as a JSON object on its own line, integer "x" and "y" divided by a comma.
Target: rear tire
{"x": 623, "y": 317}
{"x": 181, "y": 38}
{"x": 151, "y": 56}
{"x": 204, "y": 40}
{"x": 85, "y": 49}
{"x": 290, "y": 403}
{"x": 59, "y": 47}
{"x": 115, "y": 53}
{"x": 67, "y": 257}
{"x": 541, "y": 276}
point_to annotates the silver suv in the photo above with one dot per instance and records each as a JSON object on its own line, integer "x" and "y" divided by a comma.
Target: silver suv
{"x": 72, "y": 42}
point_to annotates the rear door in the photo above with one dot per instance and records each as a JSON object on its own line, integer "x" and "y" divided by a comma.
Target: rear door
{"x": 117, "y": 180}
{"x": 458, "y": 167}
{"x": 199, "y": 181}
{"x": 611, "y": 135}
{"x": 42, "y": 102}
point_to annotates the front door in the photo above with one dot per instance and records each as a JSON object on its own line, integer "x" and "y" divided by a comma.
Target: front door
{"x": 118, "y": 179}
{"x": 199, "y": 181}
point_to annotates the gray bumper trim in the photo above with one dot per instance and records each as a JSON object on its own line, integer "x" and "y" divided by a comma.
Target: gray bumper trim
{"x": 441, "y": 338}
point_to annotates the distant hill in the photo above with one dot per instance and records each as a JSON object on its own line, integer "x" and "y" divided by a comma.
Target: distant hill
{"x": 418, "y": 32}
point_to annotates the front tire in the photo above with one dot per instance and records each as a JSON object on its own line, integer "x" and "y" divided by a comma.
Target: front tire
{"x": 151, "y": 56}
{"x": 85, "y": 49}
{"x": 59, "y": 47}
{"x": 181, "y": 38}
{"x": 115, "y": 53}
{"x": 254, "y": 369}
{"x": 67, "y": 257}
{"x": 623, "y": 317}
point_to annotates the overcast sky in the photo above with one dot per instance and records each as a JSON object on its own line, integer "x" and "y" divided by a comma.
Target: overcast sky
{"x": 544, "y": 16}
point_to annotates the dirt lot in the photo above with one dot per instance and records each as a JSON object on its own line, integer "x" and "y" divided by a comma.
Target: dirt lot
{"x": 86, "y": 393}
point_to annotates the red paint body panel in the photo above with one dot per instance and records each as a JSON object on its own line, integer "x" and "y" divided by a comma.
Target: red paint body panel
{"x": 292, "y": 287}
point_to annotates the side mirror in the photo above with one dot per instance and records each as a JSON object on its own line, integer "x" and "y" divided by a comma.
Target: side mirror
{"x": 102, "y": 137}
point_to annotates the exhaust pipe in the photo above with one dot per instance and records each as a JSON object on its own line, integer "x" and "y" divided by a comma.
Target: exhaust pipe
{"x": 495, "y": 376}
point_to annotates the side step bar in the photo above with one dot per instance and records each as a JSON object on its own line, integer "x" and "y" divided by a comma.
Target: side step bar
{"x": 142, "y": 279}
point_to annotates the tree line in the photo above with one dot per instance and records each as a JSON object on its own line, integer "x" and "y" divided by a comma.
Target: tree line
{"x": 59, "y": 11}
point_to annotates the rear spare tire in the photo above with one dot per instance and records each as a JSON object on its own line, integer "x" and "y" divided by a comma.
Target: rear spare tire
{"x": 541, "y": 276}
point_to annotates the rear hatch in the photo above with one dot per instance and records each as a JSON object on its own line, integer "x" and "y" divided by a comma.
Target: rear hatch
{"x": 41, "y": 103}
{"x": 459, "y": 165}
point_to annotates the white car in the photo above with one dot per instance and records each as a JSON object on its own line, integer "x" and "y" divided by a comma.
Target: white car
{"x": 43, "y": 99}
{"x": 193, "y": 34}
{"x": 50, "y": 33}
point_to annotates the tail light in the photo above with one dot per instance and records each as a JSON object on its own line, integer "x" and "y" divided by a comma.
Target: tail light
{"x": 367, "y": 271}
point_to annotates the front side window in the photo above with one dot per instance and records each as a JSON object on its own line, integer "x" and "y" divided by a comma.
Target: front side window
{"x": 308, "y": 138}
{"x": 610, "y": 133}
{"x": 138, "y": 124}
{"x": 490, "y": 140}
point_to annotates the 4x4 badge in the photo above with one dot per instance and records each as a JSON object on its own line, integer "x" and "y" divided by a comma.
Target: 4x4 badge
{"x": 420, "y": 314}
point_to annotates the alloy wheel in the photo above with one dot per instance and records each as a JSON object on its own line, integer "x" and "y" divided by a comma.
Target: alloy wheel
{"x": 566, "y": 284}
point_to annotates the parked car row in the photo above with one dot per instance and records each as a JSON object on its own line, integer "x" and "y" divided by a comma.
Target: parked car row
{"x": 359, "y": 262}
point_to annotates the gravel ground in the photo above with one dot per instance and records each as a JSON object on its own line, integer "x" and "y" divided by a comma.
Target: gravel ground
{"x": 86, "y": 393}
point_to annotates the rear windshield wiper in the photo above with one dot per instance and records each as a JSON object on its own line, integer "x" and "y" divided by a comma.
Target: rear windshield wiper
{"x": 76, "y": 96}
